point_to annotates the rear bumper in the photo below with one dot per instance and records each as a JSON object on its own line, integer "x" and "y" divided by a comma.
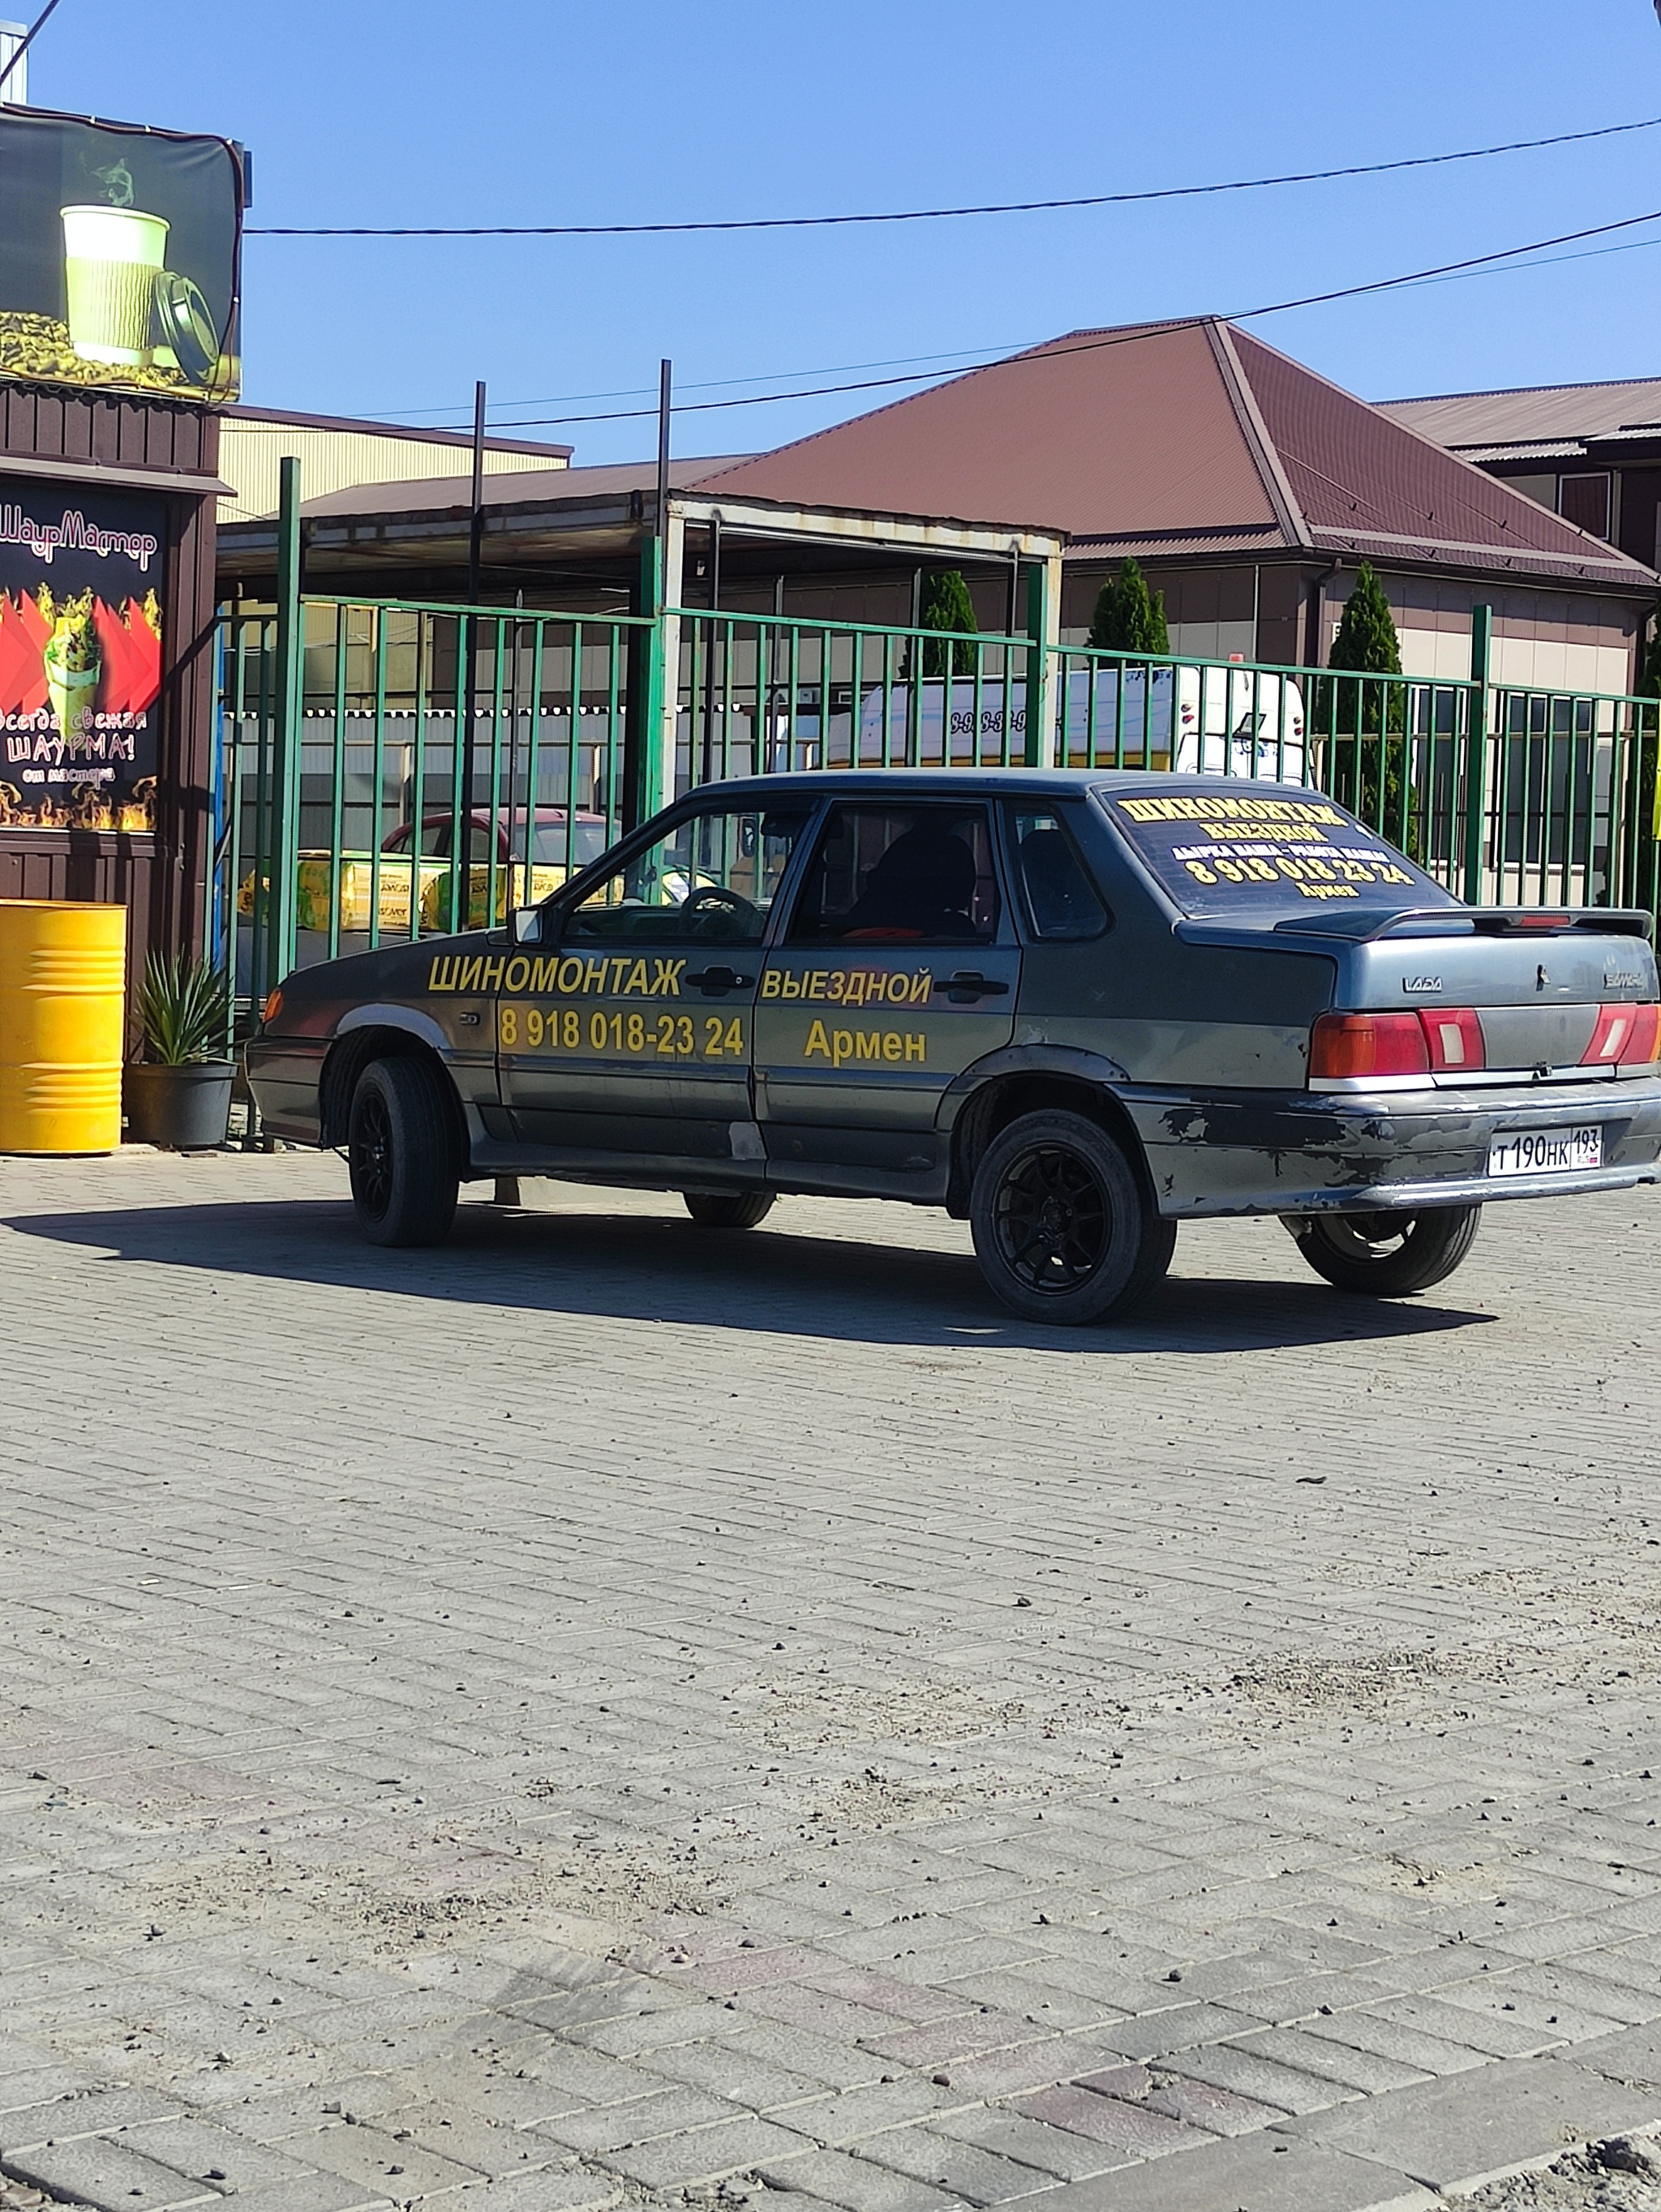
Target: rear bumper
{"x": 1298, "y": 1152}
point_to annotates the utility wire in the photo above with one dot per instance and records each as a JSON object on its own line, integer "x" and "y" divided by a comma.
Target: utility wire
{"x": 39, "y": 24}
{"x": 1124, "y": 337}
{"x": 925, "y": 214}
{"x": 1477, "y": 262}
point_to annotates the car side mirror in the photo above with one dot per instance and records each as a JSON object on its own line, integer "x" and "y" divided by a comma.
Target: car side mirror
{"x": 527, "y": 925}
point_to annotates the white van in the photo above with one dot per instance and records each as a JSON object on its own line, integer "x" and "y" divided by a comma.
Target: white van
{"x": 1227, "y": 721}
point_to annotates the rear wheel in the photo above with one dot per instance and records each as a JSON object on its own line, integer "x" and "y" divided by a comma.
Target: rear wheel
{"x": 1386, "y": 1256}
{"x": 740, "y": 1209}
{"x": 402, "y": 1154}
{"x": 1064, "y": 1228}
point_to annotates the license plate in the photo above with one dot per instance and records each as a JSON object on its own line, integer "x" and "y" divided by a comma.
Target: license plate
{"x": 1546, "y": 1151}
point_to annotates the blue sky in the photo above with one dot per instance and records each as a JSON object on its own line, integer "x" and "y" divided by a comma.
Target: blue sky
{"x": 404, "y": 111}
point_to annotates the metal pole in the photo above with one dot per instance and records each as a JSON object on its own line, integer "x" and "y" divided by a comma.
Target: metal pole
{"x": 1476, "y": 765}
{"x": 475, "y": 531}
{"x": 708, "y": 775}
{"x": 665, "y": 382}
{"x": 283, "y": 816}
{"x": 470, "y": 647}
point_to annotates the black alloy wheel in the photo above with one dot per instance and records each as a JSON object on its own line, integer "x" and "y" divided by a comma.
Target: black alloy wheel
{"x": 1065, "y": 1227}
{"x": 1053, "y": 1219}
{"x": 401, "y": 1153}
{"x": 1386, "y": 1254}
{"x": 371, "y": 1156}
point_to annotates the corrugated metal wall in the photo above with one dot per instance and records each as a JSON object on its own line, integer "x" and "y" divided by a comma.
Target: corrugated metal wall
{"x": 251, "y": 451}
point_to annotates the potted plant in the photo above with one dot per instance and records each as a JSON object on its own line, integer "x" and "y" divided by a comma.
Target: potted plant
{"x": 178, "y": 1096}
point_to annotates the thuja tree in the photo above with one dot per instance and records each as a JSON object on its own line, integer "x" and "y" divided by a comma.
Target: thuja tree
{"x": 1129, "y": 618}
{"x": 946, "y": 605}
{"x": 1362, "y": 720}
{"x": 1641, "y": 791}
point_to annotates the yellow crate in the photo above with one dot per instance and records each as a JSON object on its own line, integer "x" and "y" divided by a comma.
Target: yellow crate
{"x": 354, "y": 894}
{"x": 510, "y": 892}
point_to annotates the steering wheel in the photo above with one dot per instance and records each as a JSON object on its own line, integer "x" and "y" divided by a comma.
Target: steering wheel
{"x": 717, "y": 895}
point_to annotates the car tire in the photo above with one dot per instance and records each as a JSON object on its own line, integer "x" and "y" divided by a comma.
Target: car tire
{"x": 720, "y": 1210}
{"x": 1064, "y": 1227}
{"x": 1387, "y": 1255}
{"x": 401, "y": 1150}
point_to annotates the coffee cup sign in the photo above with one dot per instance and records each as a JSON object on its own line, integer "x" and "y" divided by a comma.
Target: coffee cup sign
{"x": 112, "y": 258}
{"x": 117, "y": 287}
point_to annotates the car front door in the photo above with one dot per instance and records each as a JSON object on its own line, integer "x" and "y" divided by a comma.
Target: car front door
{"x": 630, "y": 1030}
{"x": 899, "y": 969}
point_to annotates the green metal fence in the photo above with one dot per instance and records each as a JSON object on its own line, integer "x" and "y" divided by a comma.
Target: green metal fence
{"x": 761, "y": 694}
{"x": 391, "y": 768}
{"x": 436, "y": 765}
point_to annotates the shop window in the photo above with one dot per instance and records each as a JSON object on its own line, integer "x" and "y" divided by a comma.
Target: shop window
{"x": 1584, "y": 502}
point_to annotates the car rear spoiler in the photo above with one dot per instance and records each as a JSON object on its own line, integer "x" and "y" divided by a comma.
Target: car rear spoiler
{"x": 1359, "y": 928}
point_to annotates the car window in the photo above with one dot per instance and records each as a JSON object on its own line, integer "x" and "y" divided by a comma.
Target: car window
{"x": 1246, "y": 851}
{"x": 711, "y": 879}
{"x": 1060, "y": 899}
{"x": 900, "y": 875}
{"x": 562, "y": 844}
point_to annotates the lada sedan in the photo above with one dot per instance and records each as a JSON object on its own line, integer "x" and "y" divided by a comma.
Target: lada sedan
{"x": 1073, "y": 1008}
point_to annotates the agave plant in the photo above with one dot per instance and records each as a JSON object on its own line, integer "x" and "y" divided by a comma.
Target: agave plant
{"x": 184, "y": 1007}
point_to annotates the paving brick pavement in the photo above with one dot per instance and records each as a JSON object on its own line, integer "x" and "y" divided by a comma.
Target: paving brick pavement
{"x": 605, "y": 1714}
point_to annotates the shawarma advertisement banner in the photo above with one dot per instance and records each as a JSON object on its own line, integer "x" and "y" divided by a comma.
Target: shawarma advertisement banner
{"x": 81, "y": 579}
{"x": 119, "y": 258}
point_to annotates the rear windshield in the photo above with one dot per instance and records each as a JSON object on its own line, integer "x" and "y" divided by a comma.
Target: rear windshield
{"x": 1247, "y": 854}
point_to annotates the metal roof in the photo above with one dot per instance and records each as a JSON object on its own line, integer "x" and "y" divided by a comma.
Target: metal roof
{"x": 516, "y": 487}
{"x": 1187, "y": 436}
{"x": 1550, "y": 415}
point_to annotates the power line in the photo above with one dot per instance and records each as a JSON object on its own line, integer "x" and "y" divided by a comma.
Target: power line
{"x": 970, "y": 354}
{"x": 928, "y": 215}
{"x": 1475, "y": 262}
{"x": 1127, "y": 337}
{"x": 26, "y": 41}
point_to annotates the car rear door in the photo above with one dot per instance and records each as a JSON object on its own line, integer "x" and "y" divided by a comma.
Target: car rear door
{"x": 899, "y": 969}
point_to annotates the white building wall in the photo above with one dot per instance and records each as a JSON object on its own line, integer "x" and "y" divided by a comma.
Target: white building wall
{"x": 249, "y": 452}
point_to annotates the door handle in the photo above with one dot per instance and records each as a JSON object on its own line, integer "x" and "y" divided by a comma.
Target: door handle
{"x": 966, "y": 985}
{"x": 721, "y": 979}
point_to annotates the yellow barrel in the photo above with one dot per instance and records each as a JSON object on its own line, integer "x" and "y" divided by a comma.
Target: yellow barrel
{"x": 62, "y": 997}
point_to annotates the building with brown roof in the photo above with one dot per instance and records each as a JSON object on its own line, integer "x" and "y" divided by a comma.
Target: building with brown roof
{"x": 1591, "y": 452}
{"x": 1249, "y": 487}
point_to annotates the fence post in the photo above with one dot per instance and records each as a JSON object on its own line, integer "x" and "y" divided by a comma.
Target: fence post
{"x": 643, "y": 712}
{"x": 283, "y": 816}
{"x": 665, "y": 727}
{"x": 1477, "y": 750}
{"x": 1044, "y": 630}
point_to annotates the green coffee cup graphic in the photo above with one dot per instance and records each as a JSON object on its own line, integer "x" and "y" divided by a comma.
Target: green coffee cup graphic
{"x": 112, "y": 262}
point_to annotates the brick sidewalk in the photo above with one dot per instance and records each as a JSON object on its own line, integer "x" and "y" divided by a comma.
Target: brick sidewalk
{"x": 602, "y": 1711}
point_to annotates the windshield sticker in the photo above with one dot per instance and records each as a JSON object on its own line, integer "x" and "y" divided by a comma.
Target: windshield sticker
{"x": 1238, "y": 853}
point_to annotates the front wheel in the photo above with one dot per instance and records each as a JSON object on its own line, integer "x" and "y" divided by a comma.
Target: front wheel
{"x": 402, "y": 1153}
{"x": 1386, "y": 1256}
{"x": 718, "y": 1210}
{"x": 1064, "y": 1228}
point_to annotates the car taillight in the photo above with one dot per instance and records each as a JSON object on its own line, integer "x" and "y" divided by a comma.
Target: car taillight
{"x": 1454, "y": 1036}
{"x": 273, "y": 1005}
{"x": 1624, "y": 1035}
{"x": 1344, "y": 1046}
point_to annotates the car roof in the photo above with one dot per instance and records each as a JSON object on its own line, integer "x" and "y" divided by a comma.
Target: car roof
{"x": 545, "y": 810}
{"x": 975, "y": 782}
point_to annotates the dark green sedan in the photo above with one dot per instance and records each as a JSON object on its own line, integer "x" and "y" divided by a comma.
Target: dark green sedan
{"x": 1074, "y": 1008}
